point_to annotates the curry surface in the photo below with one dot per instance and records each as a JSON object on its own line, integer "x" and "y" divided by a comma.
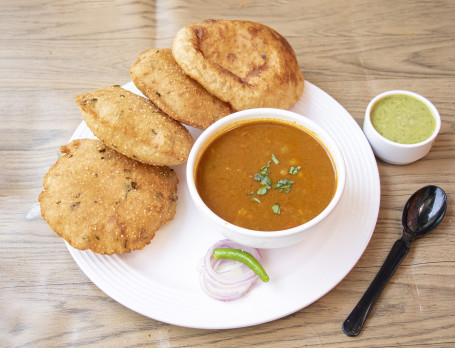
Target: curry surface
{"x": 225, "y": 176}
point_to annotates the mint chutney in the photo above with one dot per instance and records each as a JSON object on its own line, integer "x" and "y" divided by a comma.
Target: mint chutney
{"x": 403, "y": 119}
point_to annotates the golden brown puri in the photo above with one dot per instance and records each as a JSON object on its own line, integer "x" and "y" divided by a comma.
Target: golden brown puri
{"x": 158, "y": 76}
{"x": 246, "y": 64}
{"x": 98, "y": 199}
{"x": 134, "y": 126}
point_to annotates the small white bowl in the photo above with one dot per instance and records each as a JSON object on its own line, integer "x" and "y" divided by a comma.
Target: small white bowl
{"x": 269, "y": 239}
{"x": 390, "y": 151}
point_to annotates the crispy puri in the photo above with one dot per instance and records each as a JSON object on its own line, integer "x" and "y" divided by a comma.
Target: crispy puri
{"x": 246, "y": 64}
{"x": 158, "y": 76}
{"x": 134, "y": 126}
{"x": 98, "y": 199}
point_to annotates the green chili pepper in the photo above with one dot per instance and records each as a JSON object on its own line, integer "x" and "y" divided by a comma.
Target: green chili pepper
{"x": 243, "y": 257}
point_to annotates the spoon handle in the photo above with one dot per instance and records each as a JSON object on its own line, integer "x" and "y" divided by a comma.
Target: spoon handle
{"x": 354, "y": 322}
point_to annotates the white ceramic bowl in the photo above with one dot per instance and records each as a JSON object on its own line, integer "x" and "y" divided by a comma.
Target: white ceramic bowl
{"x": 392, "y": 152}
{"x": 269, "y": 239}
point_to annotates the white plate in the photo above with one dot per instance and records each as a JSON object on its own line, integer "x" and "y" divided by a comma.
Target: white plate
{"x": 162, "y": 281}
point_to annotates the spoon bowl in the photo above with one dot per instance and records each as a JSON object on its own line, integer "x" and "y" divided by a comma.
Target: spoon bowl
{"x": 423, "y": 211}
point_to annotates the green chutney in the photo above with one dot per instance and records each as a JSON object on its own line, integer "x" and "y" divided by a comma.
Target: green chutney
{"x": 403, "y": 119}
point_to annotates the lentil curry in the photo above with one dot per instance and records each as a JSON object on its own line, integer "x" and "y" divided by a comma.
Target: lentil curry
{"x": 265, "y": 175}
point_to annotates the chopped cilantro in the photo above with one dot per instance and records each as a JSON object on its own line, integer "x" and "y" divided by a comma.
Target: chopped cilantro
{"x": 276, "y": 208}
{"x": 263, "y": 190}
{"x": 265, "y": 169}
{"x": 274, "y": 159}
{"x": 263, "y": 175}
{"x": 263, "y": 178}
{"x": 266, "y": 183}
{"x": 283, "y": 185}
{"x": 294, "y": 170}
{"x": 258, "y": 177}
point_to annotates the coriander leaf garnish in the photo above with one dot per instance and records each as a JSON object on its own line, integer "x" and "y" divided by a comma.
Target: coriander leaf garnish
{"x": 263, "y": 175}
{"x": 264, "y": 170}
{"x": 274, "y": 159}
{"x": 294, "y": 170}
{"x": 276, "y": 208}
{"x": 283, "y": 185}
{"x": 263, "y": 190}
{"x": 258, "y": 177}
{"x": 263, "y": 178}
{"x": 266, "y": 181}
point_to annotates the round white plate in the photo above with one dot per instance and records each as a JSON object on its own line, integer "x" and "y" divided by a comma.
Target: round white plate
{"x": 161, "y": 281}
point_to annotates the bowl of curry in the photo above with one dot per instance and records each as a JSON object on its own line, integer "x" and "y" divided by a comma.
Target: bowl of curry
{"x": 269, "y": 177}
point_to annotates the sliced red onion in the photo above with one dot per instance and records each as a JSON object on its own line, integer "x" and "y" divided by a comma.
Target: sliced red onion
{"x": 227, "y": 280}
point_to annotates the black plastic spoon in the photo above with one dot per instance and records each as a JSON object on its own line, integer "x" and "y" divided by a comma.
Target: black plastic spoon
{"x": 423, "y": 211}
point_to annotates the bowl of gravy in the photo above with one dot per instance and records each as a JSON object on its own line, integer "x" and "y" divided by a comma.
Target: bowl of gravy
{"x": 269, "y": 177}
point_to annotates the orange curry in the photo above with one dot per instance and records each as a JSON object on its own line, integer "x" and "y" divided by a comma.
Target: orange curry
{"x": 265, "y": 175}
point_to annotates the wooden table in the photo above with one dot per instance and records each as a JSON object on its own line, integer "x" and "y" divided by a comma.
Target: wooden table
{"x": 353, "y": 50}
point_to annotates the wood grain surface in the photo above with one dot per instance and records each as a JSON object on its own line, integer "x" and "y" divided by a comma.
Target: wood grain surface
{"x": 53, "y": 50}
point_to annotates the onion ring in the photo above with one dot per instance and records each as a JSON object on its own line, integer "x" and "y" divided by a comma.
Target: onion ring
{"x": 227, "y": 280}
